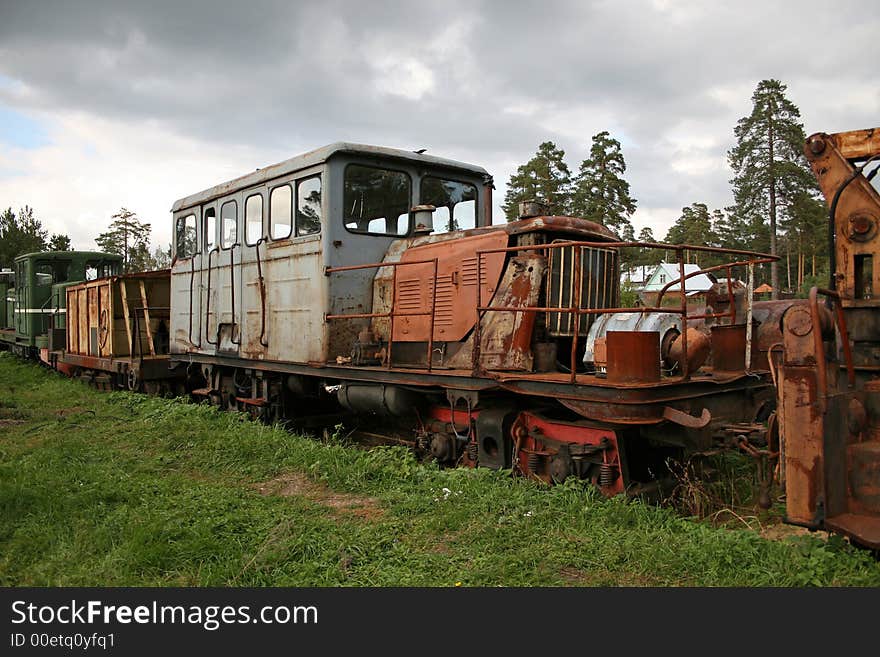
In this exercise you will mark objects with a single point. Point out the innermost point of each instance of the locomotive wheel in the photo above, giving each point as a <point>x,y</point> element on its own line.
<point>133,379</point>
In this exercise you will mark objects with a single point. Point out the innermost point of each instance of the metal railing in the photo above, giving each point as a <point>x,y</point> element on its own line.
<point>747,259</point>
<point>577,311</point>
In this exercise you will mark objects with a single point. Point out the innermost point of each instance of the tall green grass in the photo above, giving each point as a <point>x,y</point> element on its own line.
<point>123,489</point>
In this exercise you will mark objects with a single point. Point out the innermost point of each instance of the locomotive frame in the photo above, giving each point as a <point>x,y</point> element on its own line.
<point>448,337</point>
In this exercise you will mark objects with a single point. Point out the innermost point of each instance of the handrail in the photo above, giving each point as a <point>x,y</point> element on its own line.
<point>232,299</point>
<point>728,266</point>
<point>750,259</point>
<point>208,307</point>
<point>262,285</point>
<point>756,258</point>
<point>391,314</point>
<point>192,275</point>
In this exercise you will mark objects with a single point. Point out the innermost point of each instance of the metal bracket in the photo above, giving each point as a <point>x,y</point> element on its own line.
<point>685,420</point>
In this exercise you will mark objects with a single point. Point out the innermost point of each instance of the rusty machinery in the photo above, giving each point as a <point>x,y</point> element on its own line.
<point>829,373</point>
<point>498,345</point>
<point>504,346</point>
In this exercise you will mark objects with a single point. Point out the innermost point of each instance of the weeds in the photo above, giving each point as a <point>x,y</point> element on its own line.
<point>721,489</point>
<point>122,489</point>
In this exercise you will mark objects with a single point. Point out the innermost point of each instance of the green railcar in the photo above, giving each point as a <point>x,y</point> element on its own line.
<point>39,299</point>
<point>7,298</point>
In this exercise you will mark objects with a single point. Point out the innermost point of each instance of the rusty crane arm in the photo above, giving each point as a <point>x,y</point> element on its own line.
<point>830,423</point>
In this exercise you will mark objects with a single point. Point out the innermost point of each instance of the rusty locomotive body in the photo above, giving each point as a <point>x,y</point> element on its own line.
<point>373,280</point>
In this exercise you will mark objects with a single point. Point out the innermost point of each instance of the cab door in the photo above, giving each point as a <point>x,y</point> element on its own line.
<point>251,292</point>
<point>186,274</point>
<point>22,289</point>
<point>224,321</point>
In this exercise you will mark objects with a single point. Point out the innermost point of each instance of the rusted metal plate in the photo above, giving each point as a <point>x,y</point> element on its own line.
<point>729,348</point>
<point>856,212</point>
<point>633,356</point>
<point>864,476</point>
<point>505,337</point>
<point>800,420</point>
<point>864,529</point>
<point>858,144</point>
<point>457,287</point>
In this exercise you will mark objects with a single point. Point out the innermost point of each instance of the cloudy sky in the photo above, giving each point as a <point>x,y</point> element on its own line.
<point>136,104</point>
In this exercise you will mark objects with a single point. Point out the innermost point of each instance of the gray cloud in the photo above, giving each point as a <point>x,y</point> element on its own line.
<point>480,81</point>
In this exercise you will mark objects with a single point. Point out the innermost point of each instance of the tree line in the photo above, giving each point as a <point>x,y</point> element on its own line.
<point>24,233</point>
<point>777,206</point>
<point>126,236</point>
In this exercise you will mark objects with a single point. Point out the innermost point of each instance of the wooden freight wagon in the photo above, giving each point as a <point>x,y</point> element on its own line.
<point>117,330</point>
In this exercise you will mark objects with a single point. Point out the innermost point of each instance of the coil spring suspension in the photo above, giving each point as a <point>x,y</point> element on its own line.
<point>607,474</point>
<point>473,451</point>
<point>534,462</point>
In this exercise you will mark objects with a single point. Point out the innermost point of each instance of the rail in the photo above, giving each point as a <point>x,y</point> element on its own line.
<point>208,307</point>
<point>262,283</point>
<point>232,339</point>
<point>192,274</point>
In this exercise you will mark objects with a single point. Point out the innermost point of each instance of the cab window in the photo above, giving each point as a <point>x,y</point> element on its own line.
<point>280,212</point>
<point>308,206</point>
<point>376,201</point>
<point>186,236</point>
<point>45,274</point>
<point>228,224</point>
<point>253,219</point>
<point>456,203</point>
<point>210,228</point>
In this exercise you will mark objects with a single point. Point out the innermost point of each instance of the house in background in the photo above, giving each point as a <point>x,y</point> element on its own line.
<point>763,291</point>
<point>695,287</point>
<point>636,275</point>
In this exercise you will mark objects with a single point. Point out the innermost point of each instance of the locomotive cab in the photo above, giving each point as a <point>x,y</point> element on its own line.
<point>248,277</point>
<point>38,298</point>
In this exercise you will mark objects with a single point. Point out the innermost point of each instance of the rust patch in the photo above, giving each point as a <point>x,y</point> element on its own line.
<point>296,484</point>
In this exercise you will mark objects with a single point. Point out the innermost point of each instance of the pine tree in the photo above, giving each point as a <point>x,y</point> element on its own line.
<point>770,171</point>
<point>600,192</point>
<point>730,232</point>
<point>806,238</point>
<point>694,227</point>
<point>129,238</point>
<point>161,258</point>
<point>20,234</point>
<point>648,256</point>
<point>628,254</point>
<point>59,242</point>
<point>545,178</point>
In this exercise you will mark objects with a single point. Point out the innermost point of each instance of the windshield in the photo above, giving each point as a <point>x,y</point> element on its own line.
<point>456,203</point>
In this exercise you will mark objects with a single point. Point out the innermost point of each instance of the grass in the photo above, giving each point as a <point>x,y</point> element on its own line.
<point>113,489</point>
